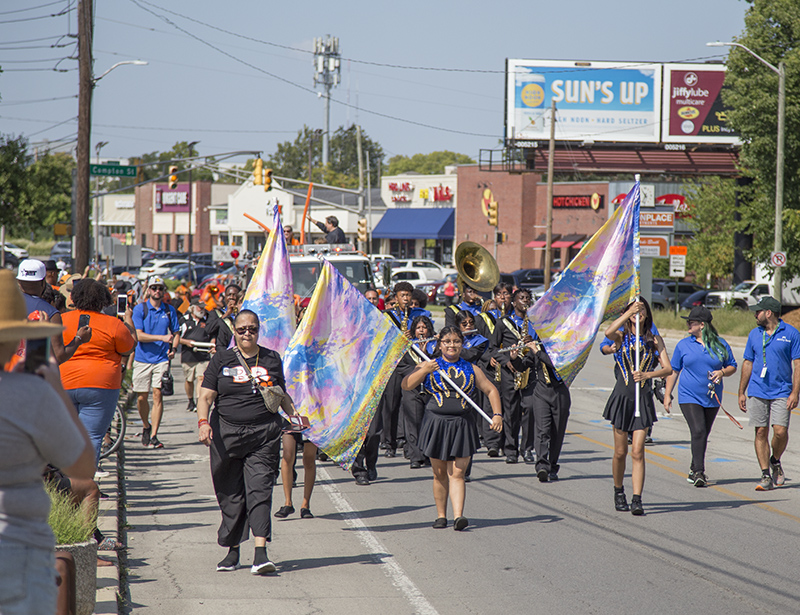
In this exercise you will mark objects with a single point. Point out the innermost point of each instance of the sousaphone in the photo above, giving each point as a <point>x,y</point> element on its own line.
<point>476,267</point>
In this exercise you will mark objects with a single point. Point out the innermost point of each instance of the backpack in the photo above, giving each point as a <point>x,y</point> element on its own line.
<point>170,310</point>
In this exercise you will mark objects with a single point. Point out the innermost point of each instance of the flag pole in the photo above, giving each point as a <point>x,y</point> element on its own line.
<point>449,381</point>
<point>636,385</point>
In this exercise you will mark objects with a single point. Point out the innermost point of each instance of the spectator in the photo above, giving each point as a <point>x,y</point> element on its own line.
<point>156,324</point>
<point>38,425</point>
<point>221,327</point>
<point>331,227</point>
<point>288,235</point>
<point>449,293</point>
<point>51,273</point>
<point>372,296</point>
<point>93,375</point>
<point>194,328</point>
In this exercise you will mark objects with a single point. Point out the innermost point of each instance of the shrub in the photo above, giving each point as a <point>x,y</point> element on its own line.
<point>69,523</point>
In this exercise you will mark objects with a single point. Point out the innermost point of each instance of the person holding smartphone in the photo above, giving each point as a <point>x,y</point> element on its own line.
<point>93,375</point>
<point>38,425</point>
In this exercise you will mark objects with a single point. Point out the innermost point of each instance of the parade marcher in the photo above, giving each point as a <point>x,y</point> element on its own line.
<point>701,360</point>
<point>770,385</point>
<point>333,234</point>
<point>291,441</point>
<point>194,359</point>
<point>448,434</point>
<point>157,330</point>
<point>471,301</point>
<point>243,434</point>
<point>620,407</point>
<point>402,315</point>
<point>514,329</point>
<point>220,322</point>
<point>414,400</point>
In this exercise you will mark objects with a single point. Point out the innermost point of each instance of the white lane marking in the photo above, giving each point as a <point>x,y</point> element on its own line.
<point>598,389</point>
<point>390,566</point>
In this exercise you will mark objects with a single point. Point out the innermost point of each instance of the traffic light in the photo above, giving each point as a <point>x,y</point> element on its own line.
<point>173,177</point>
<point>267,180</point>
<point>258,172</point>
<point>362,229</point>
<point>492,213</point>
<point>502,237</point>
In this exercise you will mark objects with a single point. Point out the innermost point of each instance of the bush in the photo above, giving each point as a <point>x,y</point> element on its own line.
<point>35,248</point>
<point>728,321</point>
<point>69,523</point>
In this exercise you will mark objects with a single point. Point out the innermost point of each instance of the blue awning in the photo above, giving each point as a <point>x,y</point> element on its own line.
<point>416,223</point>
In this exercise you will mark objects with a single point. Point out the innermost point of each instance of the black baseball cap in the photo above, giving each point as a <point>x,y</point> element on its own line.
<point>699,313</point>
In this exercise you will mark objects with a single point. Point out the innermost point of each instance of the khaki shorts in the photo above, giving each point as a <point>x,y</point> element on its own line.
<point>766,412</point>
<point>148,375</point>
<point>193,372</point>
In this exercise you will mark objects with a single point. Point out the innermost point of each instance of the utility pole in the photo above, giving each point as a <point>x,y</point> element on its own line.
<point>191,205</point>
<point>97,204</point>
<point>327,65</point>
<point>548,250</point>
<point>85,79</point>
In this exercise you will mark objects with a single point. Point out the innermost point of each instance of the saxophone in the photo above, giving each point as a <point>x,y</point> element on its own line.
<point>521,378</point>
<point>404,321</point>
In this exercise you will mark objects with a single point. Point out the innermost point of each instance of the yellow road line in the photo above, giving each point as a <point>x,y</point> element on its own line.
<point>651,453</point>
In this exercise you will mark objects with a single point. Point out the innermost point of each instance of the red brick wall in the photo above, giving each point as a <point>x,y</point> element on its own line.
<point>144,219</point>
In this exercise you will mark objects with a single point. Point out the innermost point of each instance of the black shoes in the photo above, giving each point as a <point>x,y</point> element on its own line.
<point>261,563</point>
<point>284,512</point>
<point>698,478</point>
<point>621,502</point>
<point>493,452</point>
<point>154,442</point>
<point>191,407</point>
<point>553,476</point>
<point>146,436</point>
<point>372,474</point>
<point>305,513</point>
<point>543,475</point>
<point>529,457</point>
<point>416,465</point>
<point>636,506</point>
<point>440,523</point>
<point>460,523</point>
<point>362,481</point>
<point>390,453</point>
<point>231,561</point>
<point>511,459</point>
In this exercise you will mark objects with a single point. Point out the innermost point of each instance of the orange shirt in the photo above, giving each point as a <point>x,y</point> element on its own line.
<point>97,363</point>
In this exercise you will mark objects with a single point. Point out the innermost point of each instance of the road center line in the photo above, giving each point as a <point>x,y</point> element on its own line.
<point>389,564</point>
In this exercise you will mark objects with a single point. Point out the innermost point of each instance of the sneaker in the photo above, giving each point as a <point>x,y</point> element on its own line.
<point>778,476</point>
<point>648,441</point>
<point>154,442</point>
<point>690,478</point>
<point>493,452</point>
<point>440,523</point>
<point>460,524</point>
<point>230,563</point>
<point>146,436</point>
<point>765,484</point>
<point>284,512</point>
<point>553,476</point>
<point>700,479</point>
<point>636,506</point>
<point>264,567</point>
<point>621,502</point>
<point>191,407</point>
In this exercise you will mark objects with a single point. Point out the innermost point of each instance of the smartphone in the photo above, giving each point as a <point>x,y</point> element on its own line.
<point>297,424</point>
<point>122,305</point>
<point>83,321</point>
<point>37,353</point>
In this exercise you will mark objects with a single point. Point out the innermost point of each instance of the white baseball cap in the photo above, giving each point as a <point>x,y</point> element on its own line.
<point>155,281</point>
<point>31,270</point>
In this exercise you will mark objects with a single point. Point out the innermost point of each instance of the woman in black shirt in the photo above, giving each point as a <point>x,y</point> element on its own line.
<point>244,438</point>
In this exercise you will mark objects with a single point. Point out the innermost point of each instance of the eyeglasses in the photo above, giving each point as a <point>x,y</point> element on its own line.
<point>251,329</point>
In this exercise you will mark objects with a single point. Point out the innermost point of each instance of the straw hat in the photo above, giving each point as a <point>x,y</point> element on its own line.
<point>14,324</point>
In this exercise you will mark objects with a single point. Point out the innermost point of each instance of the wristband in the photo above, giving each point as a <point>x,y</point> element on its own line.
<point>497,414</point>
<point>79,338</point>
<point>202,421</point>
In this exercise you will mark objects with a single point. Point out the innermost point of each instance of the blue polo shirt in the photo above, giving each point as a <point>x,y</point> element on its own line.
<point>693,360</point>
<point>781,348</point>
<point>158,321</point>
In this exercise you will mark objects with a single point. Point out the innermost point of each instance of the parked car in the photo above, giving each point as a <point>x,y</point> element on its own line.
<point>181,272</point>
<point>433,270</point>
<point>524,278</point>
<point>11,261</point>
<point>663,293</point>
<point>695,299</point>
<point>20,253</point>
<point>203,258</point>
<point>435,289</point>
<point>61,249</point>
<point>160,267</point>
<point>408,274</point>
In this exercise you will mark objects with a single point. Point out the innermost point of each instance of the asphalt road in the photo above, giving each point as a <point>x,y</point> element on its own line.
<point>531,547</point>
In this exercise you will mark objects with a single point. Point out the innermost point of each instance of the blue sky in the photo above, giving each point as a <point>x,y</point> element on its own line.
<point>191,91</point>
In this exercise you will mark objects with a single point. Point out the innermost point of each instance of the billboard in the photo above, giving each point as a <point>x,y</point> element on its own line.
<point>692,105</point>
<point>595,101</point>
<point>172,201</point>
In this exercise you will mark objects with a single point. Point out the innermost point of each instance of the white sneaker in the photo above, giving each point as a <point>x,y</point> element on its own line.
<point>263,568</point>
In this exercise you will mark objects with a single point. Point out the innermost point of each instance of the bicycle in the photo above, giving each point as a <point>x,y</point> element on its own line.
<point>116,432</point>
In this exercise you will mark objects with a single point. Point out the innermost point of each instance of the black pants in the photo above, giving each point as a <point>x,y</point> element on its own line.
<point>413,409</point>
<point>244,464</point>
<point>367,458</point>
<point>389,409</point>
<point>491,439</point>
<point>700,421</point>
<point>550,405</point>
<point>512,413</point>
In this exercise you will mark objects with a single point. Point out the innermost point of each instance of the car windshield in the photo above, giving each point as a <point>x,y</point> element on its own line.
<point>744,286</point>
<point>305,275</point>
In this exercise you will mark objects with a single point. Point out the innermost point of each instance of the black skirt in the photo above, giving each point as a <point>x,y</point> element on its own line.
<point>446,433</point>
<point>621,405</point>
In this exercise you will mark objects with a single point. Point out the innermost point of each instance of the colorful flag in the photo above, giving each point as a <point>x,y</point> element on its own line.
<point>600,281</point>
<point>338,363</point>
<point>269,293</point>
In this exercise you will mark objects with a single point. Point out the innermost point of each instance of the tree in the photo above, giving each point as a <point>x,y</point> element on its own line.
<point>772,30</point>
<point>14,161</point>
<point>50,191</point>
<point>158,163</point>
<point>426,164</point>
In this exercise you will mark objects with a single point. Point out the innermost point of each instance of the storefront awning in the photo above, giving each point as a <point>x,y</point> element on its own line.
<point>416,223</point>
<point>541,241</point>
<point>568,241</point>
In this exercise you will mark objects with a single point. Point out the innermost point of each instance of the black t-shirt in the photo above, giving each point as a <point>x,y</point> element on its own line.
<point>221,328</point>
<point>236,401</point>
<point>198,332</point>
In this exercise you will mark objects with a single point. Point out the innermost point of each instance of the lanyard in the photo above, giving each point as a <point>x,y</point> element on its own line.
<point>766,342</point>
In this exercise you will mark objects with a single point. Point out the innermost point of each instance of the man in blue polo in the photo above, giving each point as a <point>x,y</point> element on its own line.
<point>157,327</point>
<point>771,367</point>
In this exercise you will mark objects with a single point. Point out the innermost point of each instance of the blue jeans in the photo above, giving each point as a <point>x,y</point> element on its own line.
<point>27,579</point>
<point>96,410</point>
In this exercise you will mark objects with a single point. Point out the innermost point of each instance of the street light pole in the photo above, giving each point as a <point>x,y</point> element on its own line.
<point>191,206</point>
<point>100,145</point>
<point>777,279</point>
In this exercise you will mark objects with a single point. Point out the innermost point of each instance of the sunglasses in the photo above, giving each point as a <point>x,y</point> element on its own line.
<point>158,288</point>
<point>251,329</point>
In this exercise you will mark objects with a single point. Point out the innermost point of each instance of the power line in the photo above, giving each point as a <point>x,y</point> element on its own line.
<point>34,40</point>
<point>59,14</point>
<point>31,70</point>
<point>32,8</point>
<point>297,85</point>
<point>30,102</point>
<point>247,131</point>
<point>70,119</point>
<point>34,61</point>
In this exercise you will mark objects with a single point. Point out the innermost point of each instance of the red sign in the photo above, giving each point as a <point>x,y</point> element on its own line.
<point>404,187</point>
<point>659,219</point>
<point>441,193</point>
<point>694,106</point>
<point>168,201</point>
<point>587,201</point>
<point>679,250</point>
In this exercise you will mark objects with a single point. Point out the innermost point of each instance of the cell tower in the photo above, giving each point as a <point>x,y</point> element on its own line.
<point>327,68</point>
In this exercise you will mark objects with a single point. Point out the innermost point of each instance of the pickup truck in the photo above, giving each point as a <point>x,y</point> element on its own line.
<point>741,296</point>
